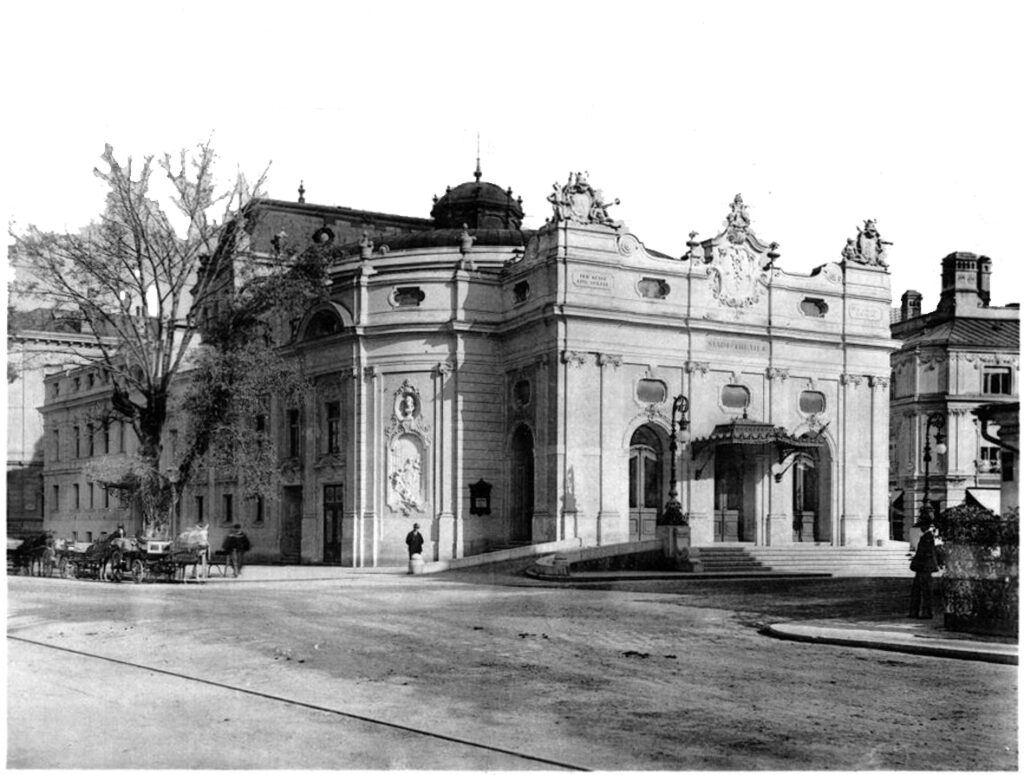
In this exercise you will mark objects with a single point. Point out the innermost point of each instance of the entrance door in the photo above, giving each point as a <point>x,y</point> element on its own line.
<point>521,528</point>
<point>332,524</point>
<point>646,465</point>
<point>291,524</point>
<point>729,511</point>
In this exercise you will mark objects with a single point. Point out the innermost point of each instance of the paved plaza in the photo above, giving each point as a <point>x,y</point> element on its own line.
<point>340,669</point>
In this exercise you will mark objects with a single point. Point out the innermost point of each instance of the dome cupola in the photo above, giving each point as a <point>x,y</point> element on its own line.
<point>478,205</point>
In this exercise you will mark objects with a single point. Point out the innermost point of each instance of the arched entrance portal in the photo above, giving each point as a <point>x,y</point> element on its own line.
<point>812,492</point>
<point>646,480</point>
<point>521,513</point>
<point>734,467</point>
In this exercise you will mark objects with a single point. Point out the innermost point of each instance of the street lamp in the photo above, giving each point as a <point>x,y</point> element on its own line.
<point>936,420</point>
<point>673,512</point>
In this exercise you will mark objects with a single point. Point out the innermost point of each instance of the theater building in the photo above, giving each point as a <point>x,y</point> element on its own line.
<point>502,387</point>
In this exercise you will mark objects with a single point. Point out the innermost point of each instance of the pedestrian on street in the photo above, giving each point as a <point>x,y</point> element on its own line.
<point>924,564</point>
<point>414,540</point>
<point>236,544</point>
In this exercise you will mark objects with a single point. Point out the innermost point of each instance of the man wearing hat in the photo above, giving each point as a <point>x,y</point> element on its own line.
<point>414,540</point>
<point>924,564</point>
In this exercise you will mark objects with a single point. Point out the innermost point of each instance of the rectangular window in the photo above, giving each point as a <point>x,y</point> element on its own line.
<point>55,506</point>
<point>333,427</point>
<point>78,384</point>
<point>106,498</point>
<point>106,438</point>
<point>92,496</point>
<point>88,536</point>
<point>257,516</point>
<point>120,436</point>
<point>91,379</point>
<point>56,444</point>
<point>228,507</point>
<point>997,380</point>
<point>200,516</point>
<point>294,433</point>
<point>988,460</point>
<point>90,434</point>
<point>76,499</point>
<point>76,434</point>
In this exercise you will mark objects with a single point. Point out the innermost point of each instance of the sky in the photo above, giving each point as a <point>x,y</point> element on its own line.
<point>821,115</point>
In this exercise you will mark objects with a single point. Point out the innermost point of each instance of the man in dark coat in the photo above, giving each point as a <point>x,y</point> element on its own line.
<point>924,564</point>
<point>414,540</point>
<point>236,544</point>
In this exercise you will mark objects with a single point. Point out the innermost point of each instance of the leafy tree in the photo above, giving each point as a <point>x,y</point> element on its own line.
<point>144,282</point>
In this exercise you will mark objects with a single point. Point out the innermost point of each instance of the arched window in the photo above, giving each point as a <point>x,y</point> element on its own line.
<point>324,323</point>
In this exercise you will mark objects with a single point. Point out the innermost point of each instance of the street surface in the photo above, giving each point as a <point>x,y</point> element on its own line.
<point>482,671</point>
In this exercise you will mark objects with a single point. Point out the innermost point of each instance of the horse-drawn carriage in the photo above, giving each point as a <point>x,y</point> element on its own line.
<point>35,555</point>
<point>146,558</point>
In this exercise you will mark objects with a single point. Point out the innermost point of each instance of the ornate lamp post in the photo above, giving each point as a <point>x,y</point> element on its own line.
<point>673,512</point>
<point>936,420</point>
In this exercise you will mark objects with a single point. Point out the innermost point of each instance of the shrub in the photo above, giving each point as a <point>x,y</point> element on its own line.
<point>980,552</point>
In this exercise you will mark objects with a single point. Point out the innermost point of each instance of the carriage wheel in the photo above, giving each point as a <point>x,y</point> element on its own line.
<point>138,571</point>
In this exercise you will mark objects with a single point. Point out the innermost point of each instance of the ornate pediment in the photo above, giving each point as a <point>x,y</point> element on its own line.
<point>738,263</point>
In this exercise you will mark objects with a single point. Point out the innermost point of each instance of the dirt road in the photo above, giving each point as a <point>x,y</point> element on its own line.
<point>640,677</point>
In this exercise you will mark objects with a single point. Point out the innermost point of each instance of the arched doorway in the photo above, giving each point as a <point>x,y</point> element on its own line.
<point>521,501</point>
<point>646,482</point>
<point>733,519</point>
<point>812,477</point>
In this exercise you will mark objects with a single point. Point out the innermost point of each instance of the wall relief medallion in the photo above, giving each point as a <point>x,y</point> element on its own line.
<point>737,276</point>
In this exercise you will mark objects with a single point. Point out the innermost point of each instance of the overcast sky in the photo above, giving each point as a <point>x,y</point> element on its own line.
<point>821,114</point>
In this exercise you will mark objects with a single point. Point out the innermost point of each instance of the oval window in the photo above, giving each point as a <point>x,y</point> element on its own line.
<point>812,402</point>
<point>735,397</point>
<point>651,391</point>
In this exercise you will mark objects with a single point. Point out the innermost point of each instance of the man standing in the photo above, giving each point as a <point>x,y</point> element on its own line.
<point>414,540</point>
<point>236,544</point>
<point>924,564</point>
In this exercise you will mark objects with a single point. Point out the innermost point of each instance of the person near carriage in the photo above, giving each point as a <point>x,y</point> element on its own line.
<point>236,544</point>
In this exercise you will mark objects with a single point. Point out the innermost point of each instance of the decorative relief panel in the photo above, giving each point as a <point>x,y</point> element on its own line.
<point>737,278</point>
<point>408,438</point>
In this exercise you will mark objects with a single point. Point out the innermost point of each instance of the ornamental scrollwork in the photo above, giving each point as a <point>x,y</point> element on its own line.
<point>577,359</point>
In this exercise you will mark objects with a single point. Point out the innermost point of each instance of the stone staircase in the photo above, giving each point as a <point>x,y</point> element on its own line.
<point>879,561</point>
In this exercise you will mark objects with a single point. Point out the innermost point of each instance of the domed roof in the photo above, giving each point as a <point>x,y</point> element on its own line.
<point>478,205</point>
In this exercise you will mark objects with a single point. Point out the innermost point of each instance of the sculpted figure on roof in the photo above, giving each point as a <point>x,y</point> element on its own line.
<point>869,247</point>
<point>579,202</point>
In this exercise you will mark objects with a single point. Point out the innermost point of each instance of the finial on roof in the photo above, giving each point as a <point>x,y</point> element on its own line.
<point>477,174</point>
<point>302,192</point>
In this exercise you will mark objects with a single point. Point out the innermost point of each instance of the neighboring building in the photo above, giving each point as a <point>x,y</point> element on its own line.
<point>950,362</point>
<point>1000,425</point>
<point>501,386</point>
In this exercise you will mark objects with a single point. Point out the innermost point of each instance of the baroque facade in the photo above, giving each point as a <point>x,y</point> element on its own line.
<point>503,386</point>
<point>951,363</point>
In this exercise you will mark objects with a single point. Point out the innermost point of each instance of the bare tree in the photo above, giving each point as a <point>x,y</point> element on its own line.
<point>137,281</point>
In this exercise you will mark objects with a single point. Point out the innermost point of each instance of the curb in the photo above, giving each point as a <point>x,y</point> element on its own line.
<point>971,650</point>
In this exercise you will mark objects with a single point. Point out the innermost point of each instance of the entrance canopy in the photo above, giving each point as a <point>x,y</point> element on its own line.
<point>753,433</point>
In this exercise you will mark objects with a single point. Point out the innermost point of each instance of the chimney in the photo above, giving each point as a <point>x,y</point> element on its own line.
<point>910,305</point>
<point>985,279</point>
<point>961,278</point>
